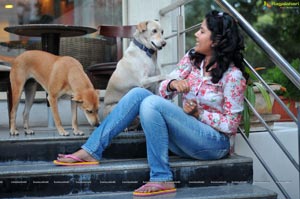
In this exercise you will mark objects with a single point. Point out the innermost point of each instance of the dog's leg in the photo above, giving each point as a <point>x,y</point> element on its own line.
<point>30,90</point>
<point>16,88</point>
<point>148,81</point>
<point>53,105</point>
<point>75,128</point>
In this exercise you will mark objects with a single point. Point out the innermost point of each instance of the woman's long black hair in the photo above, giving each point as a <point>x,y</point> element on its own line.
<point>227,45</point>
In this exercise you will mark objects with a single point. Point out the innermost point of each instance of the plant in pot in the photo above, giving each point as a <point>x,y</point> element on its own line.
<point>254,86</point>
<point>289,93</point>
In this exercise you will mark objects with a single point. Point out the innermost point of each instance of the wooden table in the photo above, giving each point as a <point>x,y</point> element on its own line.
<point>50,35</point>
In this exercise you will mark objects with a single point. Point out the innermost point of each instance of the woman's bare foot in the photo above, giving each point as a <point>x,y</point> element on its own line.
<point>81,154</point>
<point>151,187</point>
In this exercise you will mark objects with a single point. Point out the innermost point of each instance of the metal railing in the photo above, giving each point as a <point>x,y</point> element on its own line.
<point>273,55</point>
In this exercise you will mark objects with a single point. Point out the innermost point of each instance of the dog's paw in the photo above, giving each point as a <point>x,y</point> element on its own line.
<point>29,132</point>
<point>14,132</point>
<point>78,132</point>
<point>64,133</point>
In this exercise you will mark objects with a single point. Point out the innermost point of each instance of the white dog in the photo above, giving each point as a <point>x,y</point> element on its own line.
<point>138,66</point>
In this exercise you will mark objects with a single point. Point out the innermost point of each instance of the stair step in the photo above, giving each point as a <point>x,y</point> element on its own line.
<point>47,143</point>
<point>36,178</point>
<point>232,191</point>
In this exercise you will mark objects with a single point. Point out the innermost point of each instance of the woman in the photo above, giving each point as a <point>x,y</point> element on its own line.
<point>210,78</point>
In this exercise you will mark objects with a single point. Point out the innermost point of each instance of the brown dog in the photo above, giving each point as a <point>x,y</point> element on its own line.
<point>58,75</point>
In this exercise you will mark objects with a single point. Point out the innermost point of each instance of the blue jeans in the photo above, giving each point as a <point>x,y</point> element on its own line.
<point>166,126</point>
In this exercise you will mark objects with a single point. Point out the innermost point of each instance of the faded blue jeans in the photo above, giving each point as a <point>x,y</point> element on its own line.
<point>166,126</point>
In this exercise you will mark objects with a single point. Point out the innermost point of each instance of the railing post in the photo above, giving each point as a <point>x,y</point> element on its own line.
<point>180,37</point>
<point>180,43</point>
<point>298,124</point>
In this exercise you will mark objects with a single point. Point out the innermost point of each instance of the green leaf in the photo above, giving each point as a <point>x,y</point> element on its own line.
<point>265,95</point>
<point>250,95</point>
<point>251,75</point>
<point>246,118</point>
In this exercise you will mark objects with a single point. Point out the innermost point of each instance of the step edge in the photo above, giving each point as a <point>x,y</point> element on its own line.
<point>30,138</point>
<point>140,163</point>
<point>263,193</point>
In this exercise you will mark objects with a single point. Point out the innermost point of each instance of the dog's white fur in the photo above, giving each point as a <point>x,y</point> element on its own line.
<point>58,75</point>
<point>136,68</point>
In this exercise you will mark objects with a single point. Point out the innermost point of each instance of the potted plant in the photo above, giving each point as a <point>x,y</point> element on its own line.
<point>254,90</point>
<point>289,93</point>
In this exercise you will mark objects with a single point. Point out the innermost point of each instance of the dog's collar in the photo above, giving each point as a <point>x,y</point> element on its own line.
<point>148,51</point>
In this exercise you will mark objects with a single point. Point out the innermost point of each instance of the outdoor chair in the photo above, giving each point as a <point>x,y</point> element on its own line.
<point>86,50</point>
<point>100,73</point>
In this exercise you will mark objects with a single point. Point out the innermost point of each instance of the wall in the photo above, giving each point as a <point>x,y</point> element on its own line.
<point>135,11</point>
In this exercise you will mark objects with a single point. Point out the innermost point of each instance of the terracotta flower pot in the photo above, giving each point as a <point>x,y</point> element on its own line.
<point>277,109</point>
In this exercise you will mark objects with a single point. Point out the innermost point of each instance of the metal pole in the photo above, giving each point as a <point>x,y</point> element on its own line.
<point>180,44</point>
<point>298,123</point>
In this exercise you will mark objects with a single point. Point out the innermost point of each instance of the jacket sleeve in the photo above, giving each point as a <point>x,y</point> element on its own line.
<point>182,70</point>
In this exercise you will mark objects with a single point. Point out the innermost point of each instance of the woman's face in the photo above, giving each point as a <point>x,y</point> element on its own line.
<point>203,41</point>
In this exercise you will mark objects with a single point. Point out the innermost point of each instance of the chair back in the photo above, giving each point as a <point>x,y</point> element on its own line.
<point>87,51</point>
<point>117,32</point>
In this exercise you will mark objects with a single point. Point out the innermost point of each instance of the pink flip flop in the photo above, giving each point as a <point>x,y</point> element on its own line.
<point>79,162</point>
<point>161,190</point>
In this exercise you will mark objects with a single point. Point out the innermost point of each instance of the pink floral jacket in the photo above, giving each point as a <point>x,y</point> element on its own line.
<point>222,102</point>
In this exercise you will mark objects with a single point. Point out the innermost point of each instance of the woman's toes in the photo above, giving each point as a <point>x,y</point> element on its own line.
<point>60,155</point>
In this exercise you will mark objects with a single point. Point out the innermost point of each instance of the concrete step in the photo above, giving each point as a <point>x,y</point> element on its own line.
<point>46,143</point>
<point>232,191</point>
<point>40,178</point>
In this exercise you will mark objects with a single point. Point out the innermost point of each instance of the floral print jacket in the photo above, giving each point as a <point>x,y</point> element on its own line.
<point>222,103</point>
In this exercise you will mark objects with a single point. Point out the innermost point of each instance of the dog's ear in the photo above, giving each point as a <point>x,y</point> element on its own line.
<point>142,27</point>
<point>77,98</point>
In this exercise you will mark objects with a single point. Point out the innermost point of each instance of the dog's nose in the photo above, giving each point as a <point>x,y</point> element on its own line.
<point>163,43</point>
<point>96,125</point>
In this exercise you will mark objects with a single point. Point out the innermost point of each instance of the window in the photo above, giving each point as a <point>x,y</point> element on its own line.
<point>73,12</point>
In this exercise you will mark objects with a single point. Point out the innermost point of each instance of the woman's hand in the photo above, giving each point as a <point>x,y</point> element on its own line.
<point>190,107</point>
<point>181,86</point>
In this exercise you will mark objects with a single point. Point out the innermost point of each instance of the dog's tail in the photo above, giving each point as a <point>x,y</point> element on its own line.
<point>6,59</point>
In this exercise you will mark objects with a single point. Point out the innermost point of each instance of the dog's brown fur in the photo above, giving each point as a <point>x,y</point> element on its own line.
<point>58,75</point>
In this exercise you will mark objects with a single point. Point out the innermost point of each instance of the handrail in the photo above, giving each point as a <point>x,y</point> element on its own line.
<point>184,31</point>
<point>284,66</point>
<point>275,138</point>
